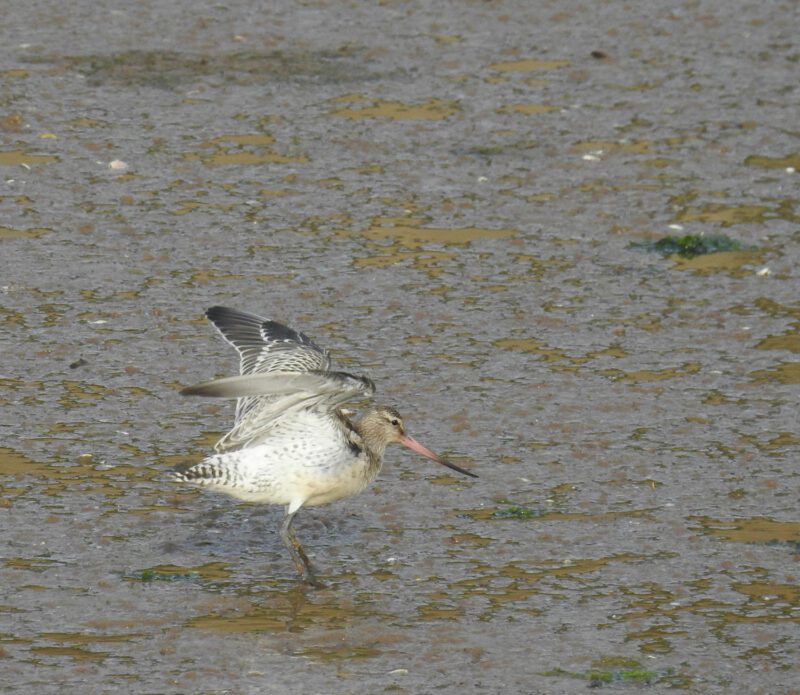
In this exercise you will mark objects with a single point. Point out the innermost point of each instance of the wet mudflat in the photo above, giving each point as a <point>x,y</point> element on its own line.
<point>457,199</point>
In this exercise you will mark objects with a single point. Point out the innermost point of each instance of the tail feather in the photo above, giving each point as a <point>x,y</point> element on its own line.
<point>207,472</point>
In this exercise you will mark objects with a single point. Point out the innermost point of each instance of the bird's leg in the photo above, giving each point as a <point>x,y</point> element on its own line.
<point>299,557</point>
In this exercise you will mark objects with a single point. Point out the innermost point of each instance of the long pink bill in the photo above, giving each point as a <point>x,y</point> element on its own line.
<point>414,445</point>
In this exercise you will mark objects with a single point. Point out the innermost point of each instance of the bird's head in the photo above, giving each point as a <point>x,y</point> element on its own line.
<point>384,425</point>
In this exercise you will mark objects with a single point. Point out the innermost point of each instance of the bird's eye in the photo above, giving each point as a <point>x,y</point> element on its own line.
<point>394,421</point>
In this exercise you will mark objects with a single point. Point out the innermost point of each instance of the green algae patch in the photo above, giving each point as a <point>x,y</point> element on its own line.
<point>635,675</point>
<point>247,149</point>
<point>31,564</point>
<point>76,653</point>
<point>439,611</point>
<point>535,347</point>
<point>53,480</point>
<point>392,240</point>
<point>273,606</point>
<point>529,65</point>
<point>151,575</point>
<point>175,573</point>
<point>706,253</point>
<point>431,110</point>
<point>786,595</point>
<point>411,233</point>
<point>24,159</point>
<point>691,245</point>
<point>598,677</point>
<point>735,263</point>
<point>783,373</point>
<point>789,341</point>
<point>789,161</point>
<point>527,109</point>
<point>167,69</point>
<point>521,513</point>
<point>615,669</point>
<point>14,233</point>
<point>645,375</point>
<point>750,530</point>
<point>339,653</point>
<point>79,394</point>
<point>81,638</point>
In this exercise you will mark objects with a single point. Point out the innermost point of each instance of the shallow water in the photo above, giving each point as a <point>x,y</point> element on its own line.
<point>446,197</point>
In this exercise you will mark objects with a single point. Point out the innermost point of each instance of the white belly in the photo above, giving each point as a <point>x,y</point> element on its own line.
<point>296,466</point>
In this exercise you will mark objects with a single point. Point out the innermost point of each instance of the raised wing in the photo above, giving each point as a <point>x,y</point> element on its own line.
<point>276,395</point>
<point>265,346</point>
<point>338,386</point>
<point>282,370</point>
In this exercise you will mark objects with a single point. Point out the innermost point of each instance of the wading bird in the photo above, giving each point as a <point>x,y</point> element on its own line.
<point>291,442</point>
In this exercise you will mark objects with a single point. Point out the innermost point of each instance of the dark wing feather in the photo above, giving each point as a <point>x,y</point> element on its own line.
<point>265,346</point>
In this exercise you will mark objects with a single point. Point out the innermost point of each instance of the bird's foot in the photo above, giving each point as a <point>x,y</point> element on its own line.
<point>311,579</point>
<point>299,557</point>
<point>306,572</point>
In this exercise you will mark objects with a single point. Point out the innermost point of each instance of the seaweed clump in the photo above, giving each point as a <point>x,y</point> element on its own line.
<point>516,513</point>
<point>691,245</point>
<point>620,670</point>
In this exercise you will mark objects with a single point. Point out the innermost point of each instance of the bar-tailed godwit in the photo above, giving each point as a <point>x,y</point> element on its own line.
<point>291,442</point>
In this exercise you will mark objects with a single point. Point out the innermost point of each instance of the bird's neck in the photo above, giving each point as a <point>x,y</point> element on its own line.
<point>375,445</point>
<point>372,436</point>
<point>362,438</point>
